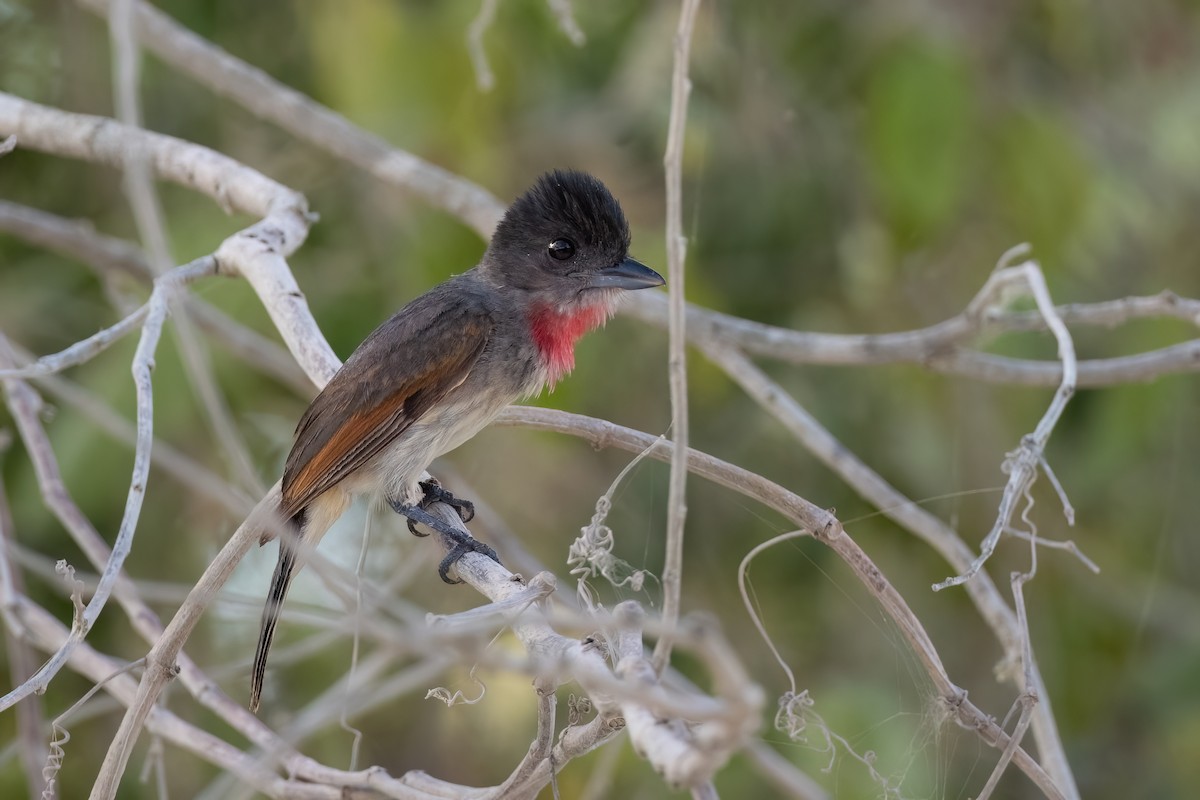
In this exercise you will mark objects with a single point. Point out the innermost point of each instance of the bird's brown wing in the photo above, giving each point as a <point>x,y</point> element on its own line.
<point>406,366</point>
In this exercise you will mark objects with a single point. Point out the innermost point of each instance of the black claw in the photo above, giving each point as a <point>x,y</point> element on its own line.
<point>450,560</point>
<point>434,493</point>
<point>464,546</point>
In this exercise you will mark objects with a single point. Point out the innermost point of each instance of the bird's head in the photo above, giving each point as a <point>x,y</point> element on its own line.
<point>565,243</point>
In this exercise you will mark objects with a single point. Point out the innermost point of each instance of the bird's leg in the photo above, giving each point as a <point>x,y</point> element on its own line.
<point>463,542</point>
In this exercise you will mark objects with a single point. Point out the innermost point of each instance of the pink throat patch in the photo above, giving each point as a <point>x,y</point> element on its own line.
<point>555,333</point>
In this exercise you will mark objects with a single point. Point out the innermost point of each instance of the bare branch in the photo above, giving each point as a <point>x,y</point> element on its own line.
<point>895,506</point>
<point>939,348</point>
<point>152,230</point>
<point>101,140</point>
<point>105,254</point>
<point>81,351</point>
<point>1022,464</point>
<point>307,120</point>
<point>566,21</point>
<point>484,78</point>
<point>672,577</point>
<point>50,635</point>
<point>24,407</point>
<point>21,664</point>
<point>826,529</point>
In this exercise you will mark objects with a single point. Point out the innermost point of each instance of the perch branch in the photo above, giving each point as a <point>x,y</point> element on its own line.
<point>826,529</point>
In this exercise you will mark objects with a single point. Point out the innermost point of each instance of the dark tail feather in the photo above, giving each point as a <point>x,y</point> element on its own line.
<point>285,570</point>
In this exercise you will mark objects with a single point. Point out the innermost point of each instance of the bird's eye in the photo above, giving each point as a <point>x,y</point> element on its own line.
<point>562,249</point>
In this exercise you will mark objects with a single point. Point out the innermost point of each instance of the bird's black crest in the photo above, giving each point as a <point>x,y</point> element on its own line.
<point>567,199</point>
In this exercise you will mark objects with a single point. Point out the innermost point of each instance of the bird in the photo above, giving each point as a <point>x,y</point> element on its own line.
<point>442,368</point>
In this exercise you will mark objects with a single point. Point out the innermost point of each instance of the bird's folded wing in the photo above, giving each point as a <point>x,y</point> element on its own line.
<point>406,366</point>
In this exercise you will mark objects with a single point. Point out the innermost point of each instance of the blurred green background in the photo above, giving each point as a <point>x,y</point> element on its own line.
<point>849,168</point>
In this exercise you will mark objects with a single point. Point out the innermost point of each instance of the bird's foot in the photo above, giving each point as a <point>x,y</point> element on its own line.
<point>463,542</point>
<point>434,493</point>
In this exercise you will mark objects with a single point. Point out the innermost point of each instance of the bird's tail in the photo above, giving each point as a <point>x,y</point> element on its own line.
<point>285,570</point>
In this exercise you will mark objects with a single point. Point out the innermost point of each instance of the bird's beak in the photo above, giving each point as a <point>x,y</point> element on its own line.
<point>628,274</point>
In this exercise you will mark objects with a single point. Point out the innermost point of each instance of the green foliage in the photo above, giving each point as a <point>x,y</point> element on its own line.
<point>919,126</point>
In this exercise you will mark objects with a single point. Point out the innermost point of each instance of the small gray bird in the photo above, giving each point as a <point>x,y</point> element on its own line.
<point>446,364</point>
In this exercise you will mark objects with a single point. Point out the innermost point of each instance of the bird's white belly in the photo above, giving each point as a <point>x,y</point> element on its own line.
<point>395,471</point>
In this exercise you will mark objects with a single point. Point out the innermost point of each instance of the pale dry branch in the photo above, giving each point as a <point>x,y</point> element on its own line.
<point>730,719</point>
<point>24,406</point>
<point>1028,699</point>
<point>894,505</point>
<point>672,577</point>
<point>939,348</point>
<point>825,528</point>
<point>539,750</point>
<point>484,78</point>
<point>107,255</point>
<point>780,772</point>
<point>561,9</point>
<point>80,352</point>
<point>256,253</point>
<point>49,635</point>
<point>306,119</point>
<point>30,720</point>
<point>101,140</point>
<point>1022,464</point>
<point>685,757</point>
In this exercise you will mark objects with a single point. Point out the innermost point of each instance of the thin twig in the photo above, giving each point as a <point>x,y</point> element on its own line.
<point>1028,698</point>
<point>21,664</point>
<point>306,119</point>
<point>80,352</point>
<point>1022,464</point>
<point>484,78</point>
<point>826,529</point>
<point>108,255</point>
<point>152,230</point>
<point>124,539</point>
<point>672,577</point>
<point>749,604</point>
<point>48,634</point>
<point>561,9</point>
<point>900,509</point>
<point>941,348</point>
